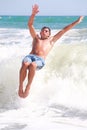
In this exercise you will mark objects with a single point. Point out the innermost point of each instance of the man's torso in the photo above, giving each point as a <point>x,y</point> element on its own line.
<point>41,47</point>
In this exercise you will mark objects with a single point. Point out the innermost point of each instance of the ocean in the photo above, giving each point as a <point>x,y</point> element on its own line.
<point>58,95</point>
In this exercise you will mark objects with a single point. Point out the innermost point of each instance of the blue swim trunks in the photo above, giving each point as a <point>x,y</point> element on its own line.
<point>34,58</point>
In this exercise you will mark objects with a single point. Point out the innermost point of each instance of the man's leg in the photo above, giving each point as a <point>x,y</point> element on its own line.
<point>23,72</point>
<point>31,73</point>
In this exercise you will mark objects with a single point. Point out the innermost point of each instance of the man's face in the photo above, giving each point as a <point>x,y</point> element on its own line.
<point>45,33</point>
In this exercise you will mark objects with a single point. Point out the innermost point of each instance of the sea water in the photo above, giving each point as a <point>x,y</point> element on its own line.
<point>58,95</point>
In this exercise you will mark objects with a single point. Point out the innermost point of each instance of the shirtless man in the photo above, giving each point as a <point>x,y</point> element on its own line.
<point>40,49</point>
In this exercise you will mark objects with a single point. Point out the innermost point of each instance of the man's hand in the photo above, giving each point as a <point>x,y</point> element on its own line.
<point>35,9</point>
<point>80,19</point>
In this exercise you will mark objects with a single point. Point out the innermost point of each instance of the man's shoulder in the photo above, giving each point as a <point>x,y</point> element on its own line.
<point>36,37</point>
<point>51,37</point>
<point>51,40</point>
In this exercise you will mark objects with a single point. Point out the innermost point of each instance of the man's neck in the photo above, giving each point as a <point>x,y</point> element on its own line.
<point>44,38</point>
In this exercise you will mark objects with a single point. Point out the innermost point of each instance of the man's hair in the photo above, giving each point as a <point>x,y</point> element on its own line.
<point>47,28</point>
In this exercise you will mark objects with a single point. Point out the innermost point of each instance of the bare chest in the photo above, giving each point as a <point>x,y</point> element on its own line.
<point>42,44</point>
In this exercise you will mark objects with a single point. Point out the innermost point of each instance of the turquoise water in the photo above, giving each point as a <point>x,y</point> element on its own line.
<point>54,22</point>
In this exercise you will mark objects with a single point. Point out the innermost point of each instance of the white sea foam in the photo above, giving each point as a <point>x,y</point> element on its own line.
<point>58,94</point>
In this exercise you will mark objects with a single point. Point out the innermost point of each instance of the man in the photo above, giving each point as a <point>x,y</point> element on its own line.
<point>40,49</point>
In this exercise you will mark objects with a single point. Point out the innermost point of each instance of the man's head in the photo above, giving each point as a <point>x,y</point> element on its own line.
<point>45,32</point>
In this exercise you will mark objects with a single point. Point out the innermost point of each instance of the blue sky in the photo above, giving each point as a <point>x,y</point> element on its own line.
<point>46,7</point>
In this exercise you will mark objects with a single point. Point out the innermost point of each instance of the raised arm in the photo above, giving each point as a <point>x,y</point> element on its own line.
<point>65,29</point>
<point>35,10</point>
